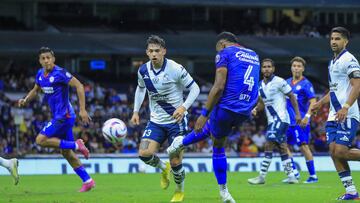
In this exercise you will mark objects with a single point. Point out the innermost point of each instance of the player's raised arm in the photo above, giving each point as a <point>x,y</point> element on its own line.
<point>214,96</point>
<point>325,100</point>
<point>74,82</point>
<point>30,96</point>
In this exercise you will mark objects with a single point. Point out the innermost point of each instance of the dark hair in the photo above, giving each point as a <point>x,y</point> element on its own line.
<point>343,31</point>
<point>268,60</point>
<point>228,36</point>
<point>45,50</point>
<point>155,39</point>
<point>298,59</point>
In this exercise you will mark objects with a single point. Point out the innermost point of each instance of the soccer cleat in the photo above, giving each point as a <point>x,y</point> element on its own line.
<point>82,148</point>
<point>178,196</point>
<point>176,146</point>
<point>311,180</point>
<point>293,180</point>
<point>257,180</point>
<point>14,164</point>
<point>286,180</point>
<point>165,177</point>
<point>87,186</point>
<point>347,196</point>
<point>226,197</point>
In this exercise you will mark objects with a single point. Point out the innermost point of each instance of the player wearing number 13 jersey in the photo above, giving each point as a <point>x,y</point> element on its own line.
<point>229,103</point>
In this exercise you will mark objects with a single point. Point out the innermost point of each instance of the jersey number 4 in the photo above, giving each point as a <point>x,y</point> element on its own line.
<point>247,79</point>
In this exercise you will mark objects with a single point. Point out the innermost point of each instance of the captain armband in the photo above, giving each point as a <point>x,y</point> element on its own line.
<point>354,74</point>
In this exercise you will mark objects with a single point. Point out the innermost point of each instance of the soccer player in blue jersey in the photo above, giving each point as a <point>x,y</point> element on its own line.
<point>300,134</point>
<point>343,119</point>
<point>229,103</point>
<point>54,82</point>
<point>12,166</point>
<point>273,91</point>
<point>164,80</point>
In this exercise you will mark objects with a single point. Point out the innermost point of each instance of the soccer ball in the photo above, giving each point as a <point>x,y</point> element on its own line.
<point>114,130</point>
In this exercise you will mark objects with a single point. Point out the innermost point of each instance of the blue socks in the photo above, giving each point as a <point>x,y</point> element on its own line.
<point>219,165</point>
<point>311,167</point>
<point>67,144</point>
<point>193,137</point>
<point>81,172</point>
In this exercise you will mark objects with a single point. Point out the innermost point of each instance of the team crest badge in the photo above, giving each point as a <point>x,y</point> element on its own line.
<point>68,74</point>
<point>298,87</point>
<point>51,79</point>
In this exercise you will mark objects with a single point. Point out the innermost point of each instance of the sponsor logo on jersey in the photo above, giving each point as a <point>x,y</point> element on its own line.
<point>48,90</point>
<point>345,139</point>
<point>217,58</point>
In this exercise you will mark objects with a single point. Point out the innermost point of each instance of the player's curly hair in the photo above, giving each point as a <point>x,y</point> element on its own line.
<point>155,39</point>
<point>45,50</point>
<point>343,31</point>
<point>228,36</point>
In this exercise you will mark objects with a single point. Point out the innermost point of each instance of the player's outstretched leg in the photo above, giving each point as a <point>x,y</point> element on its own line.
<point>165,167</point>
<point>220,168</point>
<point>263,170</point>
<point>88,182</point>
<point>12,166</point>
<point>180,142</point>
<point>179,178</point>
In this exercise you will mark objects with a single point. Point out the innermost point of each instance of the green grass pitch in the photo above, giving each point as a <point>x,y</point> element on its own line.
<point>144,188</point>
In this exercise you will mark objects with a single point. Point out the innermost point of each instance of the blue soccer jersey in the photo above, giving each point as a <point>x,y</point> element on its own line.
<point>303,91</point>
<point>241,88</point>
<point>55,87</point>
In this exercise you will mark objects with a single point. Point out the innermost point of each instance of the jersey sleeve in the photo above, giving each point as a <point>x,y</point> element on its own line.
<point>185,78</point>
<point>310,93</point>
<point>221,60</point>
<point>64,76</point>
<point>351,65</point>
<point>285,87</point>
<point>141,82</point>
<point>37,77</point>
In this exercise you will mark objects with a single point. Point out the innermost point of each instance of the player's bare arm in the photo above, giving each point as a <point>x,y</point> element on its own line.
<point>259,107</point>
<point>354,94</point>
<point>214,96</point>
<point>139,98</point>
<point>322,101</point>
<point>193,94</point>
<point>30,96</point>
<point>74,82</point>
<point>307,116</point>
<point>296,107</point>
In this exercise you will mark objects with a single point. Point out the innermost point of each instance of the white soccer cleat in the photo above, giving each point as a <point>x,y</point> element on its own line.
<point>14,163</point>
<point>226,197</point>
<point>257,180</point>
<point>286,180</point>
<point>292,180</point>
<point>176,146</point>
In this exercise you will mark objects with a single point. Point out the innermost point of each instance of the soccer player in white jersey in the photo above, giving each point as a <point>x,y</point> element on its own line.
<point>165,81</point>
<point>12,166</point>
<point>343,119</point>
<point>273,91</point>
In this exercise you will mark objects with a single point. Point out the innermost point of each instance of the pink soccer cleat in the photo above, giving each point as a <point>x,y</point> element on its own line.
<point>87,186</point>
<point>82,148</point>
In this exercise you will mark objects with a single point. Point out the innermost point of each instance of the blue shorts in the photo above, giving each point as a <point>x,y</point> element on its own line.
<point>276,132</point>
<point>341,133</point>
<point>222,121</point>
<point>161,132</point>
<point>298,135</point>
<point>60,128</point>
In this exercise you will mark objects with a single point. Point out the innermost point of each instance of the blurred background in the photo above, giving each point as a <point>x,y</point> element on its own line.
<point>102,42</point>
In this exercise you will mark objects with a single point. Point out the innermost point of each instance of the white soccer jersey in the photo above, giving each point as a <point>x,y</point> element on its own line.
<point>165,89</point>
<point>273,95</point>
<point>339,82</point>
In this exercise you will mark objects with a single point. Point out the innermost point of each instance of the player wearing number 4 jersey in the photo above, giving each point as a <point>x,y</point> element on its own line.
<point>229,103</point>
<point>164,80</point>
<point>343,120</point>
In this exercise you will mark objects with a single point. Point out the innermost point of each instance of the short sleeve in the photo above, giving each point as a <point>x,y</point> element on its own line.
<point>351,65</point>
<point>64,76</point>
<point>185,78</point>
<point>221,60</point>
<point>285,87</point>
<point>141,82</point>
<point>310,93</point>
<point>37,78</point>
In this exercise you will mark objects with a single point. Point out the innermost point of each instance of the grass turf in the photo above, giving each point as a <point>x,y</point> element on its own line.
<point>199,187</point>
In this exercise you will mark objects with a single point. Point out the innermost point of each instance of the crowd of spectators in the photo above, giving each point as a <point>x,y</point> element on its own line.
<point>104,103</point>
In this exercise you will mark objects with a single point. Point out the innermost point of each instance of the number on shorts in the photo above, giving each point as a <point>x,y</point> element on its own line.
<point>147,133</point>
